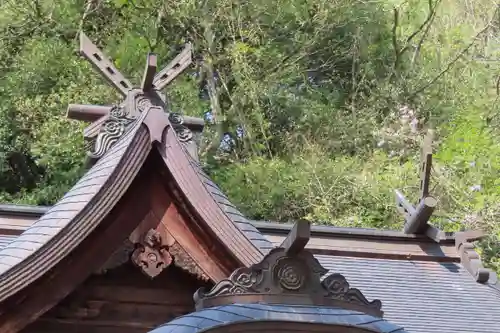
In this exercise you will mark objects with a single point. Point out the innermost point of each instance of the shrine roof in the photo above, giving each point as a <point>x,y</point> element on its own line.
<point>427,282</point>
<point>423,296</point>
<point>423,285</point>
<point>230,210</point>
<point>74,216</point>
<point>280,314</point>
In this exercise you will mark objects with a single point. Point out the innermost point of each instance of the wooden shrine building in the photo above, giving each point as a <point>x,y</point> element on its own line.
<point>145,241</point>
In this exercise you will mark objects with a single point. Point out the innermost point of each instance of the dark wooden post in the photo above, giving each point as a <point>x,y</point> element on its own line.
<point>417,218</point>
<point>149,73</point>
<point>298,238</point>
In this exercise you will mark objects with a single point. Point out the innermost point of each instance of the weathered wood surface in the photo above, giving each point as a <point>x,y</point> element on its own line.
<point>194,185</point>
<point>15,225</point>
<point>29,303</point>
<point>122,300</point>
<point>377,248</point>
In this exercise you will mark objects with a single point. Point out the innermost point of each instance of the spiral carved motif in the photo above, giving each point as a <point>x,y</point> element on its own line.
<point>143,104</point>
<point>336,285</point>
<point>246,280</point>
<point>288,278</point>
<point>117,112</point>
<point>112,130</point>
<point>289,274</point>
<point>184,134</point>
<point>175,118</point>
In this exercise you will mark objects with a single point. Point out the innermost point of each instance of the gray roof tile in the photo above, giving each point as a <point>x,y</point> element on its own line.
<point>423,296</point>
<point>6,239</point>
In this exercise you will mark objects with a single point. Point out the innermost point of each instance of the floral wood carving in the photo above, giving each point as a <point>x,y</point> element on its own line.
<point>151,255</point>
<point>184,261</point>
<point>285,278</point>
<point>337,287</point>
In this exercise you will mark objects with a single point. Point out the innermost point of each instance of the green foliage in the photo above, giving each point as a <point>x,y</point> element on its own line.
<point>332,99</point>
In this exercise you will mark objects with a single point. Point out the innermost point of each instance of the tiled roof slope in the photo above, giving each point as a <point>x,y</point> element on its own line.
<point>432,294</point>
<point>422,284</point>
<point>423,296</point>
<point>248,229</point>
<point>6,239</point>
<point>78,210</point>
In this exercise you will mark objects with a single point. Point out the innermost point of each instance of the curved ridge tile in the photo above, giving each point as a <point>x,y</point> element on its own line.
<point>76,215</point>
<point>190,181</point>
<point>247,228</point>
<point>223,315</point>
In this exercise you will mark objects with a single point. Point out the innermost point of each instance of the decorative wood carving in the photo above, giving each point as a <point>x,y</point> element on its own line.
<point>110,124</point>
<point>184,134</point>
<point>113,128</point>
<point>152,255</point>
<point>183,260</point>
<point>192,245</point>
<point>292,277</point>
<point>471,260</point>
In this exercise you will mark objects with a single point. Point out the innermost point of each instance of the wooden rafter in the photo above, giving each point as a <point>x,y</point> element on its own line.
<point>298,238</point>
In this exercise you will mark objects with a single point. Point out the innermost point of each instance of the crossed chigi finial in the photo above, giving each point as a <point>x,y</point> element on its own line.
<point>100,116</point>
<point>417,217</point>
<point>152,82</point>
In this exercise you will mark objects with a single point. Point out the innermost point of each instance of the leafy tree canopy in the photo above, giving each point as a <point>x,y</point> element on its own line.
<point>320,106</point>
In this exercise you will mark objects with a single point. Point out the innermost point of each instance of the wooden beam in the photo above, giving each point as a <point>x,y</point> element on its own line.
<point>417,223</point>
<point>403,205</point>
<point>468,236</point>
<point>103,65</point>
<point>196,251</point>
<point>149,73</point>
<point>298,238</point>
<point>417,218</point>
<point>174,68</point>
<point>435,234</point>
<point>87,112</point>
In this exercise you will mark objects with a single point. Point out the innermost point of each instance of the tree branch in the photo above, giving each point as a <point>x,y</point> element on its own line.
<point>395,38</point>
<point>457,57</point>
<point>428,20</point>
